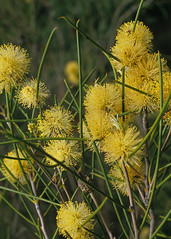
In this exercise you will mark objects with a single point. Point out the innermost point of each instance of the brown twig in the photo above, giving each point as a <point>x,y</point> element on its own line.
<point>36,203</point>
<point>136,231</point>
<point>166,140</point>
<point>141,193</point>
<point>63,184</point>
<point>86,189</point>
<point>4,115</point>
<point>101,216</point>
<point>148,187</point>
<point>145,128</point>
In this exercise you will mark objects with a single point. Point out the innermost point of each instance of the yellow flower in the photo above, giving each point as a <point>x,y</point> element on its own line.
<point>27,94</point>
<point>99,124</point>
<point>14,65</point>
<point>70,217</point>
<point>145,76</point>
<point>55,122</point>
<point>101,104</point>
<point>135,175</point>
<point>103,98</point>
<point>119,144</point>
<point>67,152</point>
<point>13,165</point>
<point>72,72</point>
<point>131,46</point>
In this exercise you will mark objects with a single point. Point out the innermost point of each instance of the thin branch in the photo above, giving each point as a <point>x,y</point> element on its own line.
<point>166,140</point>
<point>141,193</point>
<point>63,184</point>
<point>36,203</point>
<point>148,188</point>
<point>130,201</point>
<point>145,128</point>
<point>101,216</point>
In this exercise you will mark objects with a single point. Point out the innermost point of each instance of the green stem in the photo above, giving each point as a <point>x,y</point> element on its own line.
<point>29,195</point>
<point>69,90</point>
<point>137,15</point>
<point>80,91</point>
<point>95,212</point>
<point>42,60</point>
<point>15,210</point>
<point>90,39</point>
<point>165,180</point>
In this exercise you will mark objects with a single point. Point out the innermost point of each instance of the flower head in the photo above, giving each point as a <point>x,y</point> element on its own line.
<point>55,122</point>
<point>145,77</point>
<point>14,65</point>
<point>119,144</point>
<point>131,46</point>
<point>71,216</point>
<point>65,151</point>
<point>103,98</point>
<point>72,73</point>
<point>15,167</point>
<point>101,103</point>
<point>27,94</point>
<point>135,175</point>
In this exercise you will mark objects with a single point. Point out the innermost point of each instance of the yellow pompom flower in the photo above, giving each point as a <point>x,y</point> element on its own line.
<point>55,122</point>
<point>119,144</point>
<point>102,102</point>
<point>131,46</point>
<point>71,216</point>
<point>27,94</point>
<point>135,175</point>
<point>103,98</point>
<point>145,76</point>
<point>99,124</point>
<point>67,152</point>
<point>14,65</point>
<point>72,72</point>
<point>13,165</point>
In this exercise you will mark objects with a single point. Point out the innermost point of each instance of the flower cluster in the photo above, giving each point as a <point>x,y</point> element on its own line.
<point>134,50</point>
<point>71,216</point>
<point>14,66</point>
<point>27,94</point>
<point>55,122</point>
<point>120,144</point>
<point>15,167</point>
<point>130,45</point>
<point>65,151</point>
<point>101,103</point>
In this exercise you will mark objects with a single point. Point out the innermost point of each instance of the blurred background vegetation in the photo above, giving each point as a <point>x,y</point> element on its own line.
<point>28,23</point>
